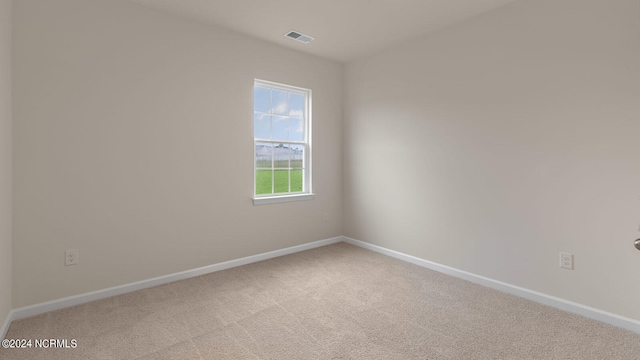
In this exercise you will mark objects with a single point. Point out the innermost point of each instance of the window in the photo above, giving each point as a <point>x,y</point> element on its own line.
<point>282,142</point>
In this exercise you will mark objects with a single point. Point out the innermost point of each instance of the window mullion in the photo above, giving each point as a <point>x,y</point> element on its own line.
<point>273,177</point>
<point>273,174</point>
<point>281,141</point>
<point>289,168</point>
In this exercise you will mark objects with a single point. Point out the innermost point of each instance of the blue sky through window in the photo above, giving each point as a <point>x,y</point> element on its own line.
<point>279,102</point>
<point>278,114</point>
<point>261,99</point>
<point>262,125</point>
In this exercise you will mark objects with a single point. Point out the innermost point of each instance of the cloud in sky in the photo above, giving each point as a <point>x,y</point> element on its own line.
<point>278,114</point>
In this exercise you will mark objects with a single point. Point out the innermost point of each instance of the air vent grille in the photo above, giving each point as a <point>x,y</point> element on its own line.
<point>305,39</point>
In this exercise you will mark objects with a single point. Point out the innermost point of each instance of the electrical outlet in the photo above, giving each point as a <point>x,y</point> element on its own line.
<point>325,217</point>
<point>566,261</point>
<point>71,257</point>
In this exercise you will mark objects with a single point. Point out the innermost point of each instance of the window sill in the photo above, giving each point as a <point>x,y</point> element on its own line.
<point>282,198</point>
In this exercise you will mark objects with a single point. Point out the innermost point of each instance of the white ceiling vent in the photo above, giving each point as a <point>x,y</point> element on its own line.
<point>305,39</point>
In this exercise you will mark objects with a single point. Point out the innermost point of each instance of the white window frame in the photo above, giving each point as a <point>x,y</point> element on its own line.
<point>306,193</point>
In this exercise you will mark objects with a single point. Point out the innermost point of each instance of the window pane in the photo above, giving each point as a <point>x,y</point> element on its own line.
<point>296,129</point>
<point>296,105</point>
<point>280,181</point>
<point>297,156</point>
<point>263,182</point>
<point>261,99</point>
<point>281,156</point>
<point>280,134</point>
<point>280,127</point>
<point>261,126</point>
<point>296,180</point>
<point>264,154</point>
<point>279,102</point>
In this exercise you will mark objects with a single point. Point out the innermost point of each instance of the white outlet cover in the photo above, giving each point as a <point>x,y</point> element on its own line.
<point>71,257</point>
<point>566,261</point>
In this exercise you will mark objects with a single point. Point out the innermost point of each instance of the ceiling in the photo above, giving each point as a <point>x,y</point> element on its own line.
<point>345,30</point>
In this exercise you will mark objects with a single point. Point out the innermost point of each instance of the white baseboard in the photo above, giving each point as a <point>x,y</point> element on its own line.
<point>31,310</point>
<point>5,325</point>
<point>592,313</point>
<point>565,305</point>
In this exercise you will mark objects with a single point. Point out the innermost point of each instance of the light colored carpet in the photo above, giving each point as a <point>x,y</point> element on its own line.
<point>334,302</point>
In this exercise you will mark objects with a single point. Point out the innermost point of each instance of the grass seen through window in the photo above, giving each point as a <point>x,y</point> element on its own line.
<point>280,180</point>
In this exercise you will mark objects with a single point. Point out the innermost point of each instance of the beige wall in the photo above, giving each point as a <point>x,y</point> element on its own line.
<point>5,159</point>
<point>494,145</point>
<point>133,143</point>
<point>488,147</point>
